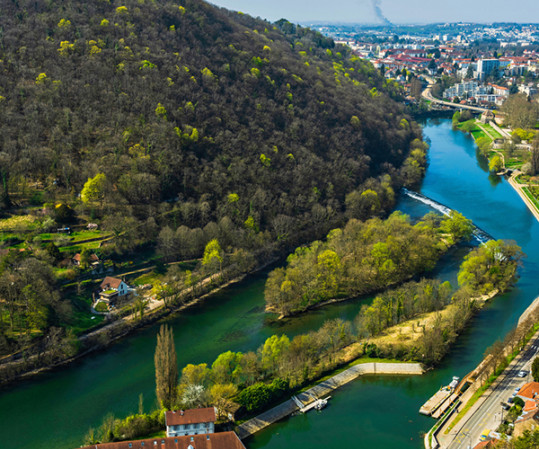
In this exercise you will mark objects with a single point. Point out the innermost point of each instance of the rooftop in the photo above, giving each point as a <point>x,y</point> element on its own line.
<point>191,416</point>
<point>222,440</point>
<point>110,282</point>
<point>529,390</point>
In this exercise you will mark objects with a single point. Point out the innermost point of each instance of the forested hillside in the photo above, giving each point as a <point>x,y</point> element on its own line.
<point>180,101</point>
<point>175,124</point>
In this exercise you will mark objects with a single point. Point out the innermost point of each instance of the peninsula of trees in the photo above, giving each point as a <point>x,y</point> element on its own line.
<point>361,258</point>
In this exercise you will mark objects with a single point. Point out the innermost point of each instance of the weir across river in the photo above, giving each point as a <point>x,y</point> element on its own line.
<point>480,235</point>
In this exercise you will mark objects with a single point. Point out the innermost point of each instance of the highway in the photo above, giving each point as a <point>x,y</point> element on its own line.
<point>490,412</point>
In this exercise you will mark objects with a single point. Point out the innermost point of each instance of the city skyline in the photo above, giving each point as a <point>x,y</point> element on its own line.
<point>396,11</point>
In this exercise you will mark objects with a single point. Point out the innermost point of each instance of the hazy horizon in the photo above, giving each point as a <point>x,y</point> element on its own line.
<point>407,12</point>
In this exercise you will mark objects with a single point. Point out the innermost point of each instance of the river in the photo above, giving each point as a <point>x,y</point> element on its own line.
<point>57,408</point>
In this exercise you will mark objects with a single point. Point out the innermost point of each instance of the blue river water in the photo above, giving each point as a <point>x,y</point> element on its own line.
<point>382,411</point>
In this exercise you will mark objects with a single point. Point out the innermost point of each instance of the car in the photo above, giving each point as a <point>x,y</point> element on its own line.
<point>505,406</point>
<point>510,400</point>
<point>522,373</point>
<point>517,389</point>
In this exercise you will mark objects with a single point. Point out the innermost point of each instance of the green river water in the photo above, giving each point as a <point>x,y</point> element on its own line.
<point>57,408</point>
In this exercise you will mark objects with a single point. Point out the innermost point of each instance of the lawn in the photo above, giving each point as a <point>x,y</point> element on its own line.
<point>477,133</point>
<point>532,198</point>
<point>147,278</point>
<point>513,163</point>
<point>82,317</point>
<point>78,248</point>
<point>19,223</point>
<point>493,132</point>
<point>87,235</point>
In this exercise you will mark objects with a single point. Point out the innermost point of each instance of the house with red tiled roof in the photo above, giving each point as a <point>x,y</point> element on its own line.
<point>529,391</point>
<point>529,406</point>
<point>221,440</point>
<point>194,421</point>
<point>112,287</point>
<point>92,260</point>
<point>490,444</point>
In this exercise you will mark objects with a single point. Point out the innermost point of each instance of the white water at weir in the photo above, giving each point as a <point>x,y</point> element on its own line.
<point>480,235</point>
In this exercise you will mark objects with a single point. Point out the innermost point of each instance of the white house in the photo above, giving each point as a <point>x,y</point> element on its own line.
<point>112,287</point>
<point>194,421</point>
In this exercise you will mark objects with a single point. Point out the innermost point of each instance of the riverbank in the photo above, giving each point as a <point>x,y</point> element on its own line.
<point>32,365</point>
<point>290,406</point>
<point>510,179</point>
<point>529,204</point>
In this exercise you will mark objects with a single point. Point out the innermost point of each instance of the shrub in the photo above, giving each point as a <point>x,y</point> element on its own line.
<point>259,395</point>
<point>101,307</point>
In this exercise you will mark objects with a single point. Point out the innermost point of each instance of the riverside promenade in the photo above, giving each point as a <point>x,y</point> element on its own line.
<point>323,388</point>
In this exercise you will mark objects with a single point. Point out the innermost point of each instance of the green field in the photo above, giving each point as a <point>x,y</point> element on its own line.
<point>532,198</point>
<point>492,131</point>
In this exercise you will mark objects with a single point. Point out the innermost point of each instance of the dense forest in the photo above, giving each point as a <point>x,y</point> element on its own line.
<point>213,112</point>
<point>174,124</point>
<point>363,257</point>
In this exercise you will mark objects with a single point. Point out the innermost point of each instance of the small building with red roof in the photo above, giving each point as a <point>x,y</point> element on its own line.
<point>194,421</point>
<point>529,391</point>
<point>489,444</point>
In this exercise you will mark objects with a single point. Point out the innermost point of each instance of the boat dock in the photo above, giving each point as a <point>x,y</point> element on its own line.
<point>434,402</point>
<point>441,400</point>
<point>317,403</point>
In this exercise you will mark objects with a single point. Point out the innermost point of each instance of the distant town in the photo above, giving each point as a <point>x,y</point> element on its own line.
<point>474,64</point>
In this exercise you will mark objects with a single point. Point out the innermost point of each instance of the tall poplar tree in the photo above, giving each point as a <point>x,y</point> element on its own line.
<point>166,367</point>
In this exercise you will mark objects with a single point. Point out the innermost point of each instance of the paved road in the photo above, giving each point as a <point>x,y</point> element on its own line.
<point>489,414</point>
<point>428,96</point>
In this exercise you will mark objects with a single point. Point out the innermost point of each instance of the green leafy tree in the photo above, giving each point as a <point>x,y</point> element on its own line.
<point>94,189</point>
<point>495,164</point>
<point>457,226</point>
<point>213,254</point>
<point>273,350</point>
<point>227,367</point>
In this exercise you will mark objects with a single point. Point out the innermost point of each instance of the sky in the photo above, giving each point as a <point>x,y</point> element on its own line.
<point>397,11</point>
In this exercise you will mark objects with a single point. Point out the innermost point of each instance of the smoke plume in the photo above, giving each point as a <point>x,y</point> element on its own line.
<point>379,14</point>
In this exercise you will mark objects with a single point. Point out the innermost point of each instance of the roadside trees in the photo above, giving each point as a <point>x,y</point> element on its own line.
<point>535,369</point>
